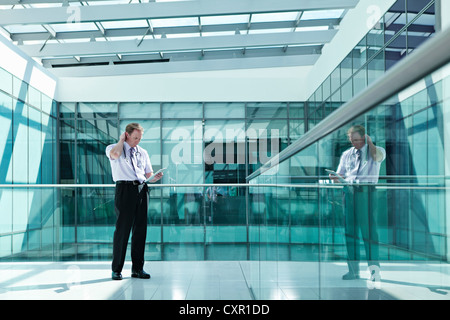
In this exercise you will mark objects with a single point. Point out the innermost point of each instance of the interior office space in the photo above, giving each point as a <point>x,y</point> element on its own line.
<point>246,104</point>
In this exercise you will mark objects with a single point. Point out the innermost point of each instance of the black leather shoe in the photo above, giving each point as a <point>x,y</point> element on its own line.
<point>141,274</point>
<point>116,276</point>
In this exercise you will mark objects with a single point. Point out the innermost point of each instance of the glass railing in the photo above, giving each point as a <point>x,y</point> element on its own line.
<point>392,225</point>
<point>77,222</point>
<point>289,235</point>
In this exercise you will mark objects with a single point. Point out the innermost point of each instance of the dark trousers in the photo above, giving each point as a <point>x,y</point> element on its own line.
<point>131,206</point>
<point>360,210</point>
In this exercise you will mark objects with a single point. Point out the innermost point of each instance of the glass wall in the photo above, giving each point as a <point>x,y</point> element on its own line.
<point>196,142</point>
<point>211,147</point>
<point>406,25</point>
<point>221,143</point>
<point>28,148</point>
<point>394,229</point>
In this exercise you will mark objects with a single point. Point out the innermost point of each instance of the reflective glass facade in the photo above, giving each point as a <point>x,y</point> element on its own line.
<point>197,142</point>
<point>406,25</point>
<point>212,145</point>
<point>28,155</point>
<point>301,216</point>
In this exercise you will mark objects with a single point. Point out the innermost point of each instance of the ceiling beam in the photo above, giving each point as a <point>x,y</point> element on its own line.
<point>178,44</point>
<point>140,31</point>
<point>160,10</point>
<point>184,56</point>
<point>186,66</point>
<point>13,2</point>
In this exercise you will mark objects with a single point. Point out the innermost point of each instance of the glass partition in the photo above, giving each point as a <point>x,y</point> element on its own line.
<point>390,226</point>
<point>185,222</point>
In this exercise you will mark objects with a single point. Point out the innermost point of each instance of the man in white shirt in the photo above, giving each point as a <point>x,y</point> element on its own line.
<point>360,167</point>
<point>130,166</point>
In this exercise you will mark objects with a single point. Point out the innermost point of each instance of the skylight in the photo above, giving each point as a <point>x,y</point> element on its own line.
<point>305,29</point>
<point>183,35</point>
<point>322,14</point>
<point>124,24</point>
<point>281,16</point>
<point>278,30</point>
<point>174,22</point>
<point>70,27</point>
<point>24,28</point>
<point>247,31</point>
<point>220,33</point>
<point>229,19</point>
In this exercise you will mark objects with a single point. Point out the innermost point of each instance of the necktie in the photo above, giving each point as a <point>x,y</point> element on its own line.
<point>358,159</point>
<point>132,158</point>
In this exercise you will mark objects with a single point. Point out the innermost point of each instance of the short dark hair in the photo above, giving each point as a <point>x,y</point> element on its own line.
<point>133,126</point>
<point>357,128</point>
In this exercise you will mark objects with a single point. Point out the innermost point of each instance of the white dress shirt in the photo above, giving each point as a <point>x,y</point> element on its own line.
<point>360,168</point>
<point>128,168</point>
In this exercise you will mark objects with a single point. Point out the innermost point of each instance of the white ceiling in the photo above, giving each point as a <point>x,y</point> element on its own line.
<point>68,36</point>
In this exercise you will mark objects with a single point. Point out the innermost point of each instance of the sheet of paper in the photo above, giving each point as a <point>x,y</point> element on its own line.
<point>154,174</point>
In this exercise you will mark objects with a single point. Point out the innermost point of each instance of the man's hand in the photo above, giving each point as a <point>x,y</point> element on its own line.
<point>334,178</point>
<point>123,136</point>
<point>376,154</point>
<point>116,152</point>
<point>157,177</point>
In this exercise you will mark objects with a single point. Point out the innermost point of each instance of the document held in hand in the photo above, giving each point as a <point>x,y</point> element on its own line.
<point>153,175</point>
<point>334,173</point>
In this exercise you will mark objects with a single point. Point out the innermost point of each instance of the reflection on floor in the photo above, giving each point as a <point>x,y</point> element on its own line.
<point>221,280</point>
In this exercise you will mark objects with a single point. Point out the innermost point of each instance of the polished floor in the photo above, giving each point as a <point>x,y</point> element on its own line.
<point>221,280</point>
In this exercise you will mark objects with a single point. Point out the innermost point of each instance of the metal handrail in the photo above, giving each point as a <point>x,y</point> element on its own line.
<point>240,185</point>
<point>428,58</point>
<point>113,185</point>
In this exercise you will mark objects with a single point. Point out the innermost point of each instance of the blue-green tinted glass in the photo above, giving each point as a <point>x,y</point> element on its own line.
<point>139,110</point>
<point>5,81</point>
<point>267,110</point>
<point>227,110</point>
<point>97,110</point>
<point>182,110</point>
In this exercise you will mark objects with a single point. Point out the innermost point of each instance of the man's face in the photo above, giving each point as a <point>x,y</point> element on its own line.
<point>356,140</point>
<point>134,138</point>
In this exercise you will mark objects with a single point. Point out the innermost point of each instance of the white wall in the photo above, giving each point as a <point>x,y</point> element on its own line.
<point>267,84</point>
<point>22,66</point>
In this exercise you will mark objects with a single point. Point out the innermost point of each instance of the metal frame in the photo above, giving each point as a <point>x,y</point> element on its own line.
<point>163,10</point>
<point>136,32</point>
<point>179,44</point>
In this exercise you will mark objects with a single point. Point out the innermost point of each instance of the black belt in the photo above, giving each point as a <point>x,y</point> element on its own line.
<point>134,183</point>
